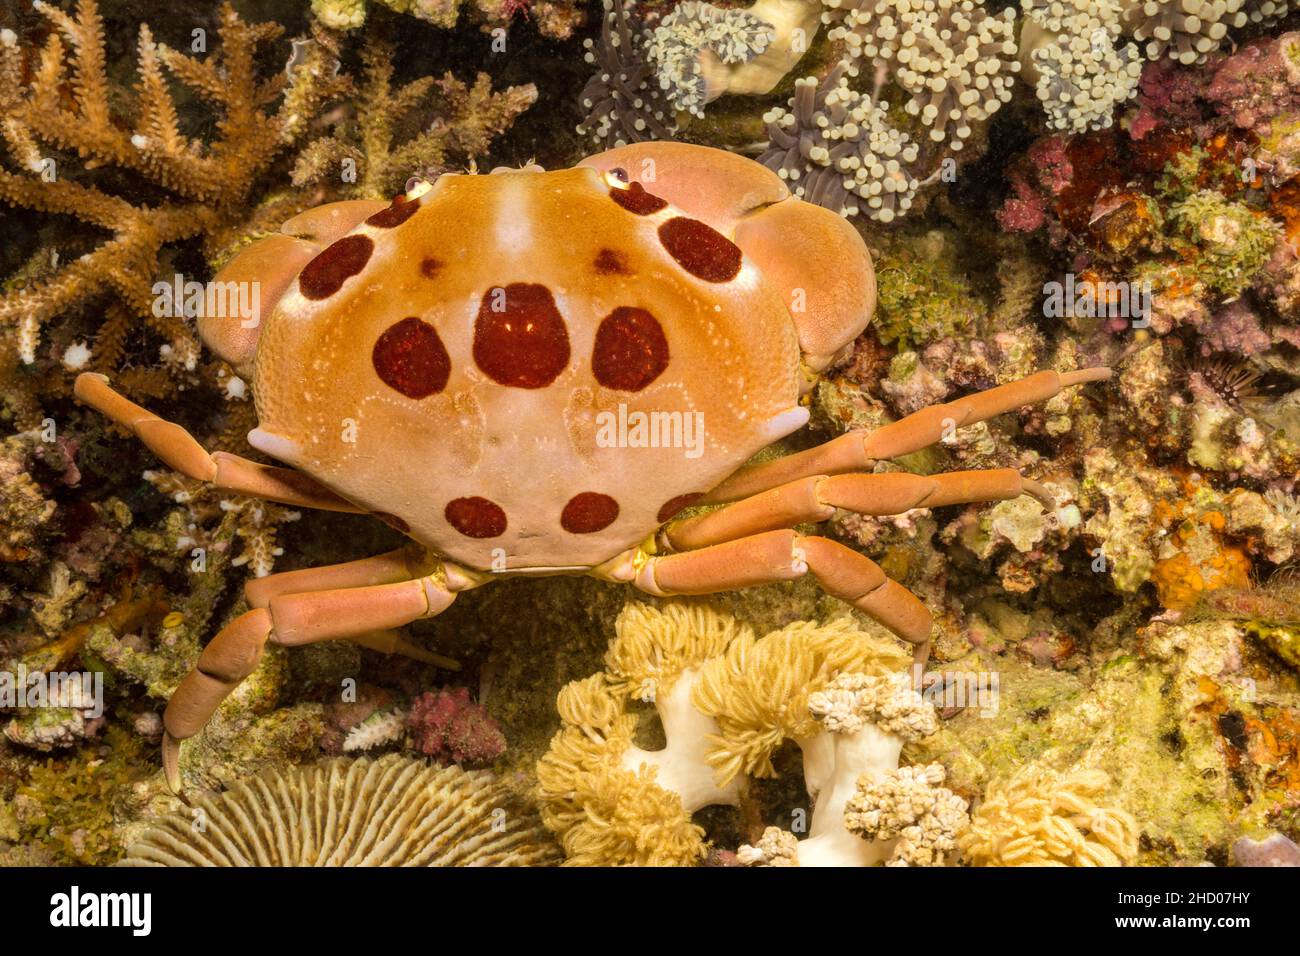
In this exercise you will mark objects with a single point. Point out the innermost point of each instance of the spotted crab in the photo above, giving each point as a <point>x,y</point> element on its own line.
<point>505,367</point>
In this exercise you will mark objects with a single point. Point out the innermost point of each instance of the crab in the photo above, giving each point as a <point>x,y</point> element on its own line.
<point>554,372</point>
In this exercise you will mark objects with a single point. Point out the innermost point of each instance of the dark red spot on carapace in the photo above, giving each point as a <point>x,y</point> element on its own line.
<point>675,506</point>
<point>520,339</point>
<point>401,210</point>
<point>635,199</point>
<point>630,350</point>
<point>337,263</point>
<point>609,262</point>
<point>476,517</point>
<point>588,513</point>
<point>701,250</point>
<point>410,358</point>
<point>430,267</point>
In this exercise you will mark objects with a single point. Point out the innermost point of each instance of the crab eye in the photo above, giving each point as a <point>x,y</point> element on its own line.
<point>416,187</point>
<point>617,178</point>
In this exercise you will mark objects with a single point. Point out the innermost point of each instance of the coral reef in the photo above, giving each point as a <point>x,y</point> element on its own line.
<point>1115,678</point>
<point>209,183</point>
<point>388,812</point>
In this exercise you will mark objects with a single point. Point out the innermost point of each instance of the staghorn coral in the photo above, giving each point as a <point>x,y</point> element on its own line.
<point>388,812</point>
<point>365,153</point>
<point>206,184</point>
<point>955,60</point>
<point>205,515</point>
<point>623,101</point>
<point>1044,818</point>
<point>554,18</point>
<point>836,148</point>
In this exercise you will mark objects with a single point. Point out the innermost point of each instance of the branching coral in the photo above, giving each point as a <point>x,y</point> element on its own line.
<point>955,60</point>
<point>623,102</point>
<point>206,184</point>
<point>836,148</point>
<point>462,129</point>
<point>208,516</point>
<point>1069,53</point>
<point>1044,818</point>
<point>554,18</point>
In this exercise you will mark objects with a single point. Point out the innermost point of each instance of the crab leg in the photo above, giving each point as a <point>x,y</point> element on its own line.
<point>776,556</point>
<point>859,450</point>
<point>816,498</point>
<point>392,567</point>
<point>178,450</point>
<point>291,620</point>
<point>403,564</point>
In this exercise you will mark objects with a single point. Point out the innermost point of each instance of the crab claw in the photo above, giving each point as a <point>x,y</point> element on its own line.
<point>811,256</point>
<point>269,266</point>
<point>171,760</point>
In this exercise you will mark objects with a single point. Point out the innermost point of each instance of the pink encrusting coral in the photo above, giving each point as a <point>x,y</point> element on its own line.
<point>1168,92</point>
<point>451,728</point>
<point>1258,83</point>
<point>1048,173</point>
